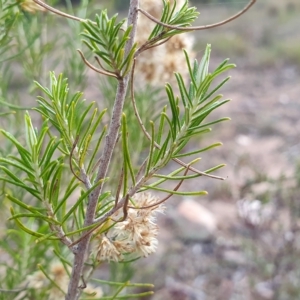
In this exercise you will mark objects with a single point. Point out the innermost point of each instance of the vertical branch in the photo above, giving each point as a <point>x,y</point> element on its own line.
<point>110,142</point>
<point>115,123</point>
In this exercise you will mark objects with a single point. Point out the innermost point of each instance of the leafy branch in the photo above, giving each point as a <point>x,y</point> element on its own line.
<point>52,169</point>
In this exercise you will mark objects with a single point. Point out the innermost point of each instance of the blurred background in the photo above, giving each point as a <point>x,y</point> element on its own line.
<point>242,241</point>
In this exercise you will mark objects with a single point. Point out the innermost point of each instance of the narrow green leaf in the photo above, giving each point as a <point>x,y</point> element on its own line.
<point>210,123</point>
<point>224,69</point>
<point>18,165</point>
<point>197,119</point>
<point>62,259</point>
<point>35,216</point>
<point>177,177</point>
<point>95,151</point>
<point>65,197</point>
<point>203,88</point>
<point>45,105</point>
<point>102,209</point>
<point>172,129</point>
<point>215,89</point>
<point>175,119</point>
<point>203,66</point>
<point>70,111</point>
<point>86,133</point>
<point>186,116</point>
<point>84,150</point>
<point>49,151</point>
<point>128,296</point>
<point>197,151</point>
<point>55,185</point>
<point>30,132</point>
<point>161,126</point>
<point>222,64</point>
<point>173,173</point>
<point>214,168</point>
<point>128,60</point>
<point>191,133</point>
<point>50,279</point>
<point>120,289</point>
<point>22,151</point>
<point>183,92</point>
<point>196,193</point>
<point>46,237</point>
<point>126,153</point>
<point>83,117</point>
<point>24,228</point>
<point>45,90</point>
<point>16,181</point>
<point>41,136</point>
<point>71,233</point>
<point>151,149</point>
<point>47,171</point>
<point>162,152</point>
<point>129,284</point>
<point>33,210</point>
<point>97,122</point>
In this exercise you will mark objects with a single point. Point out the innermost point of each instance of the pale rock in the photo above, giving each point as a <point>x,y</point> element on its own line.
<point>197,213</point>
<point>243,140</point>
<point>264,289</point>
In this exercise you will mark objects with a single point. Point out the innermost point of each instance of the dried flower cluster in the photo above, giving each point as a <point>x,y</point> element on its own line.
<point>158,64</point>
<point>58,274</point>
<point>30,6</point>
<point>136,235</point>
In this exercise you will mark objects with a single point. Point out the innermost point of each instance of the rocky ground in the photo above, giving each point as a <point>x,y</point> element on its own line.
<point>206,243</point>
<point>240,241</point>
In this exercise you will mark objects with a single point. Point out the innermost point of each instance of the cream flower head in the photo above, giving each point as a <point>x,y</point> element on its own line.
<point>30,6</point>
<point>136,235</point>
<point>158,64</point>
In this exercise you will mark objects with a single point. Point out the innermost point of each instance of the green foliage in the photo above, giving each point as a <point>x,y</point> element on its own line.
<point>79,155</point>
<point>19,246</point>
<point>8,17</point>
<point>184,18</point>
<point>197,102</point>
<point>107,39</point>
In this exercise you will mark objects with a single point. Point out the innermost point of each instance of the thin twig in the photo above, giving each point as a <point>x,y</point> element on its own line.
<point>83,285</point>
<point>180,162</point>
<point>101,66</point>
<point>125,210</point>
<point>143,165</point>
<point>148,135</point>
<point>166,198</point>
<point>156,45</point>
<point>198,27</point>
<point>94,68</point>
<point>151,43</point>
<point>58,12</point>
